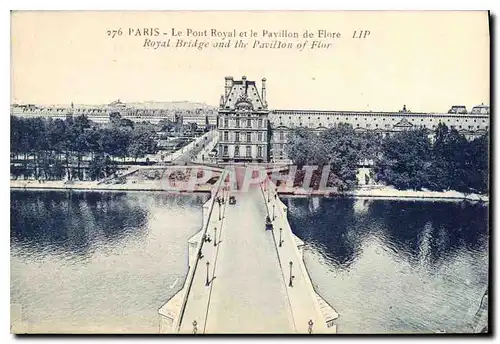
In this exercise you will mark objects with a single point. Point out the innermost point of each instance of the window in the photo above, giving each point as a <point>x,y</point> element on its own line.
<point>236,150</point>
<point>249,123</point>
<point>226,122</point>
<point>260,136</point>
<point>282,135</point>
<point>249,151</point>
<point>237,122</point>
<point>249,137</point>
<point>259,152</point>
<point>226,134</point>
<point>260,122</point>
<point>237,136</point>
<point>225,150</point>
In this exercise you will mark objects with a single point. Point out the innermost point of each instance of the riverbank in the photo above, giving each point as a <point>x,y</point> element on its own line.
<point>386,192</point>
<point>380,192</point>
<point>153,185</point>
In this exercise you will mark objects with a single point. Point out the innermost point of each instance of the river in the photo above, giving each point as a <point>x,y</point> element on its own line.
<point>106,261</point>
<point>395,266</point>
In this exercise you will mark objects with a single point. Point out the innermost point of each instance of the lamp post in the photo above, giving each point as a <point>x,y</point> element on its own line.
<point>290,284</point>
<point>310,323</point>
<point>273,213</point>
<point>281,241</point>
<point>218,201</point>
<point>268,197</point>
<point>207,283</point>
<point>215,236</point>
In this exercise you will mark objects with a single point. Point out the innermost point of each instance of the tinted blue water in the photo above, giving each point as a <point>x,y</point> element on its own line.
<point>105,262</point>
<point>395,266</point>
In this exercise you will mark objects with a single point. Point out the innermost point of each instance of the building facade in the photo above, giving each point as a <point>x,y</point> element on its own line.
<point>249,132</point>
<point>100,114</point>
<point>242,122</point>
<point>470,124</point>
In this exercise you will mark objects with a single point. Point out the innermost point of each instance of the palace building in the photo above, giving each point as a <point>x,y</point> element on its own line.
<point>244,120</point>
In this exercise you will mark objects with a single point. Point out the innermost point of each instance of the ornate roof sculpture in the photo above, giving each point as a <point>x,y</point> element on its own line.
<point>243,102</point>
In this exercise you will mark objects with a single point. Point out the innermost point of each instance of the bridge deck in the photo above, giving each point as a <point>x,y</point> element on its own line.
<point>249,275</point>
<point>248,295</point>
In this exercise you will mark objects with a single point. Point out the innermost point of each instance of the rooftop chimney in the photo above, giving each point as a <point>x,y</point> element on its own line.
<point>228,85</point>
<point>264,101</point>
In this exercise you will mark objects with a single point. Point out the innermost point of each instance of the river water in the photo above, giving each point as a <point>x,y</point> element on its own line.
<point>395,266</point>
<point>98,262</point>
<point>105,262</point>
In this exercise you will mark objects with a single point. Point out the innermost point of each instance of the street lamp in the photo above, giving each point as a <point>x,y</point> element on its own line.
<point>281,241</point>
<point>290,284</point>
<point>215,236</point>
<point>207,283</point>
<point>273,213</point>
<point>268,197</point>
<point>218,201</point>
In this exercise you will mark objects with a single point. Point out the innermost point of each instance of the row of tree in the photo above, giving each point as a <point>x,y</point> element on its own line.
<point>406,160</point>
<point>56,149</point>
<point>410,160</point>
<point>340,147</point>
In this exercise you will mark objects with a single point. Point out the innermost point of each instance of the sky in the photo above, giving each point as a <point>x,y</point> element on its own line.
<point>427,61</point>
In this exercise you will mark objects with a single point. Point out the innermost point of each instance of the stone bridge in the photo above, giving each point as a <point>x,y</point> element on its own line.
<point>243,278</point>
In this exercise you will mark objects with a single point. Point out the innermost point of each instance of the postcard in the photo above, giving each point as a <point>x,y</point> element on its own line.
<point>260,172</point>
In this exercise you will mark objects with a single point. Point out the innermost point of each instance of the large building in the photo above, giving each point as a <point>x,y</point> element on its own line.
<point>242,122</point>
<point>244,119</point>
<point>471,125</point>
<point>101,113</point>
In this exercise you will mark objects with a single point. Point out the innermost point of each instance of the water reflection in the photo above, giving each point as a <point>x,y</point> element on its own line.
<point>396,266</point>
<point>98,261</point>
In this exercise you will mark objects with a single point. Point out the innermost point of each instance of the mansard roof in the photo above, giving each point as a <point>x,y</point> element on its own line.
<point>242,93</point>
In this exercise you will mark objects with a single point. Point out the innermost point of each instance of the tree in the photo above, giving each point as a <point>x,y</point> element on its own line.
<point>406,160</point>
<point>142,142</point>
<point>339,147</point>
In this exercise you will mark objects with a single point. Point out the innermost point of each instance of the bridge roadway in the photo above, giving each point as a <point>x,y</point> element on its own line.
<point>248,293</point>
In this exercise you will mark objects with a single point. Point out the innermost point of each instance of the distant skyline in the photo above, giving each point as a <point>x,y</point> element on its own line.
<point>427,61</point>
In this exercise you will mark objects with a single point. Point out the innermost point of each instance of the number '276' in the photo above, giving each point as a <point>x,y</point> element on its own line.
<point>114,33</point>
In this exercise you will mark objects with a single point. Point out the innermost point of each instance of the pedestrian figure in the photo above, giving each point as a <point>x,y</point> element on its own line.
<point>195,327</point>
<point>200,255</point>
<point>208,238</point>
<point>310,323</point>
